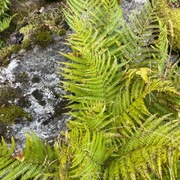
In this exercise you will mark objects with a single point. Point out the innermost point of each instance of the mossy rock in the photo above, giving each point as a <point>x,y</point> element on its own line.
<point>28,30</point>
<point>26,44</point>
<point>10,114</point>
<point>23,7</point>
<point>43,37</point>
<point>7,94</point>
<point>171,16</point>
<point>6,52</point>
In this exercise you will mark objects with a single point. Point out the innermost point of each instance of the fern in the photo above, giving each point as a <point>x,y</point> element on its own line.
<point>116,76</point>
<point>98,78</point>
<point>146,151</point>
<point>146,43</point>
<point>5,20</point>
<point>36,161</point>
<point>125,109</point>
<point>5,23</point>
<point>4,6</point>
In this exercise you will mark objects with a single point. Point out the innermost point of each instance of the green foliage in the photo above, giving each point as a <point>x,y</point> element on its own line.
<point>26,44</point>
<point>124,106</point>
<point>123,101</point>
<point>171,17</point>
<point>4,6</point>
<point>4,18</point>
<point>33,163</point>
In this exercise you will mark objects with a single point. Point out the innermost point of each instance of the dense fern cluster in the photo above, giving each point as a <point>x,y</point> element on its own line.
<point>125,108</point>
<point>124,104</point>
<point>37,161</point>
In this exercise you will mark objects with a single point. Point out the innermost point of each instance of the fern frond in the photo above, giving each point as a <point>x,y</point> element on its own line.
<point>147,151</point>
<point>87,152</point>
<point>173,73</point>
<point>4,6</point>
<point>34,161</point>
<point>98,77</point>
<point>115,75</point>
<point>95,27</point>
<point>140,96</point>
<point>4,18</point>
<point>5,22</point>
<point>93,116</point>
<point>145,43</point>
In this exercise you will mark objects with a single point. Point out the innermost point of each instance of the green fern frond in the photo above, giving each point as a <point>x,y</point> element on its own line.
<point>87,152</point>
<point>145,43</point>
<point>5,22</point>
<point>97,80</point>
<point>4,18</point>
<point>140,96</point>
<point>173,73</point>
<point>115,74</point>
<point>146,153</point>
<point>93,30</point>
<point>4,6</point>
<point>36,161</point>
<point>93,116</point>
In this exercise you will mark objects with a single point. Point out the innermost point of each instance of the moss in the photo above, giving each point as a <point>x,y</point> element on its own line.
<point>37,28</point>
<point>5,62</point>
<point>10,114</point>
<point>19,16</point>
<point>27,30</point>
<point>22,77</point>
<point>6,52</point>
<point>171,16</point>
<point>62,32</point>
<point>43,37</point>
<point>23,7</point>
<point>15,48</point>
<point>26,44</point>
<point>7,94</point>
<point>119,1</point>
<point>4,55</point>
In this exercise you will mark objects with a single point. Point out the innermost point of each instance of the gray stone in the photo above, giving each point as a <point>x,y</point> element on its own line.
<point>36,74</point>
